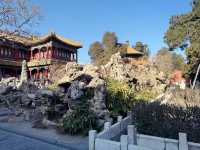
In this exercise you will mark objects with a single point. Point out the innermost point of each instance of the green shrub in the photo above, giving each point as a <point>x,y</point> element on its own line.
<point>167,120</point>
<point>119,99</point>
<point>52,87</point>
<point>79,120</point>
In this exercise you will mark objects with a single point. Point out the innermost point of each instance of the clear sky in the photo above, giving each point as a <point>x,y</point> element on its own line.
<point>87,20</point>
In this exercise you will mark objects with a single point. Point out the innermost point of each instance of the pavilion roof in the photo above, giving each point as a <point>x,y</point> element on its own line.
<point>23,40</point>
<point>32,40</point>
<point>70,42</point>
<point>133,51</point>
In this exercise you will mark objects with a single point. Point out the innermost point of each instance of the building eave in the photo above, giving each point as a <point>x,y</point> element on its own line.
<point>51,36</point>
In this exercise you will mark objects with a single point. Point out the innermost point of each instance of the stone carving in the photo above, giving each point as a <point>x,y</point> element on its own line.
<point>24,76</point>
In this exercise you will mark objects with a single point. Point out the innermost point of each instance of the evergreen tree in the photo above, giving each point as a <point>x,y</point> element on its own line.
<point>168,61</point>
<point>139,46</point>
<point>109,40</point>
<point>184,33</point>
<point>96,50</point>
<point>100,52</point>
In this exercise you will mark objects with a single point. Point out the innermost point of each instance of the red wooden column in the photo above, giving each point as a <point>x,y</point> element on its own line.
<point>46,73</point>
<point>43,73</point>
<point>47,53</point>
<point>39,54</point>
<point>38,74</point>
<point>50,53</point>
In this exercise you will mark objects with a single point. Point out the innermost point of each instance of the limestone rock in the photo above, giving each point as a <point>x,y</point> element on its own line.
<point>11,81</point>
<point>75,90</point>
<point>44,92</point>
<point>180,97</point>
<point>5,89</point>
<point>85,81</point>
<point>78,82</point>
<point>92,70</point>
<point>31,96</point>
<point>72,67</point>
<point>37,120</point>
<point>138,76</point>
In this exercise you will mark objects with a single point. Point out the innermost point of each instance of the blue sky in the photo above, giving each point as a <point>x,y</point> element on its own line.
<point>87,20</point>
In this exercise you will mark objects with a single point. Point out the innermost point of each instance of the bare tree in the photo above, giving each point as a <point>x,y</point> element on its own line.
<point>168,62</point>
<point>18,16</point>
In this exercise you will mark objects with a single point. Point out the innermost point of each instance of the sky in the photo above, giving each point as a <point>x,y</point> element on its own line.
<point>87,20</point>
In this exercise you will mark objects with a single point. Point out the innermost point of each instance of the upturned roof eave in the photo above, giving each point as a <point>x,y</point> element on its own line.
<point>59,38</point>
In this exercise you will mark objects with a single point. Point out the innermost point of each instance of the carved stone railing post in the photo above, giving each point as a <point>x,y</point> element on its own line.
<point>107,125</point>
<point>183,145</point>
<point>124,142</point>
<point>132,135</point>
<point>92,137</point>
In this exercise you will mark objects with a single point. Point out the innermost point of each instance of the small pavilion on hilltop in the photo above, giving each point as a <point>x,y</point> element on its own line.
<point>133,53</point>
<point>132,56</point>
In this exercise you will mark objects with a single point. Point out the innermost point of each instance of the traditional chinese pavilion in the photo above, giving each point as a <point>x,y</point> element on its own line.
<point>133,53</point>
<point>132,56</point>
<point>39,52</point>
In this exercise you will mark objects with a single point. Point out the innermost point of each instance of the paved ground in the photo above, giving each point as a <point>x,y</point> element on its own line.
<point>11,141</point>
<point>17,134</point>
<point>21,136</point>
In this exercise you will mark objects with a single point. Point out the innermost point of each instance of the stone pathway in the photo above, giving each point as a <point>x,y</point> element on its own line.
<point>20,136</point>
<point>11,141</point>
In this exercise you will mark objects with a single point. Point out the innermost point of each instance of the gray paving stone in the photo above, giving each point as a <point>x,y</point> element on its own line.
<point>9,141</point>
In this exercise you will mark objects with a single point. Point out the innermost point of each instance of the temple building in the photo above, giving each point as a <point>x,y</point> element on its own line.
<point>39,52</point>
<point>132,56</point>
<point>133,53</point>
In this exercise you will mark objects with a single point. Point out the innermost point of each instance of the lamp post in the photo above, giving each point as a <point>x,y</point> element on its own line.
<point>195,79</point>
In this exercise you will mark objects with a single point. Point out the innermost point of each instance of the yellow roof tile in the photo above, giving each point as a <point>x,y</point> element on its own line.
<point>62,39</point>
<point>29,40</point>
<point>131,50</point>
